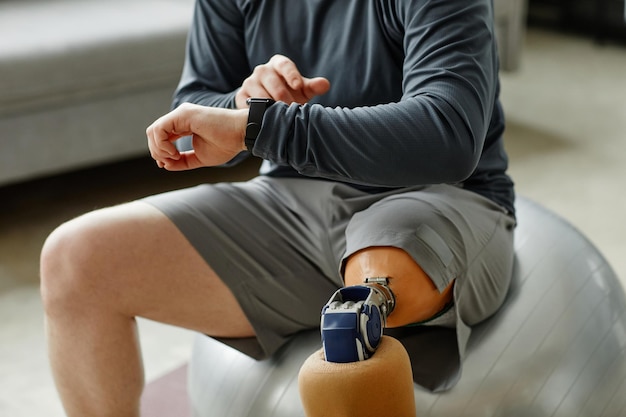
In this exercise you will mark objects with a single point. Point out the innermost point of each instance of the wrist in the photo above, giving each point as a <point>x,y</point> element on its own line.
<point>241,122</point>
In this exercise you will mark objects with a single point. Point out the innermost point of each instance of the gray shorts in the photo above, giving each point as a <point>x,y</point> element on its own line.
<point>280,243</point>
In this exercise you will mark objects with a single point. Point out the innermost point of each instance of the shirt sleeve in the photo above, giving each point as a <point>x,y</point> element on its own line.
<point>215,60</point>
<point>434,134</point>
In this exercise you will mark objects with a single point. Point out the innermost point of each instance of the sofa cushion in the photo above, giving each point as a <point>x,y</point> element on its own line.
<point>54,52</point>
<point>81,79</point>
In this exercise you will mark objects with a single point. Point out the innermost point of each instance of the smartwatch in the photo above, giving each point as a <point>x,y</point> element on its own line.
<point>255,119</point>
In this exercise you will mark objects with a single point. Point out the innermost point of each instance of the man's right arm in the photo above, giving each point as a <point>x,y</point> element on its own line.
<point>215,62</point>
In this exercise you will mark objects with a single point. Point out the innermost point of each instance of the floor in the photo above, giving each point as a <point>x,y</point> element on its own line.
<point>566,137</point>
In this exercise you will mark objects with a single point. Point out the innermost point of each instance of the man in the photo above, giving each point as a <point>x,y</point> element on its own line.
<point>380,126</point>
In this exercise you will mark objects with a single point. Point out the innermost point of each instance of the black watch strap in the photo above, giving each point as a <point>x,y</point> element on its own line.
<point>255,119</point>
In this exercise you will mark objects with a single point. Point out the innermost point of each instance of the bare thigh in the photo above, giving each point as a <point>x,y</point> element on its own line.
<point>130,259</point>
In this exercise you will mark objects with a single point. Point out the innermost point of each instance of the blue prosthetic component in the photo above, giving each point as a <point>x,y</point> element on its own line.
<point>353,321</point>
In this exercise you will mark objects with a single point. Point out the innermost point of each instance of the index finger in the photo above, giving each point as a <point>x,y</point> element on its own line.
<point>288,70</point>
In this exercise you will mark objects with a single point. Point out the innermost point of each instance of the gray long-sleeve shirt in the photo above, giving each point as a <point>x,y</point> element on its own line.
<point>414,88</point>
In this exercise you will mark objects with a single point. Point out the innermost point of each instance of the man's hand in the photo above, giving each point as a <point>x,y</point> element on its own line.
<point>280,80</point>
<point>218,136</point>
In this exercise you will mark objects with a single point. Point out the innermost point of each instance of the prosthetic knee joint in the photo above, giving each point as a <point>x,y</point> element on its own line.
<point>353,320</point>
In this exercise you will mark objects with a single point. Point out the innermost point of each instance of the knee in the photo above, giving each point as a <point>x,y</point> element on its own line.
<point>64,261</point>
<point>417,297</point>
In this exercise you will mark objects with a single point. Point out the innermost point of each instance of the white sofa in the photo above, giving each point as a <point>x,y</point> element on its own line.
<point>81,79</point>
<point>510,20</point>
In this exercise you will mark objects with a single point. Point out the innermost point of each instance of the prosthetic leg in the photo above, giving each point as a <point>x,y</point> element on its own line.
<point>359,372</point>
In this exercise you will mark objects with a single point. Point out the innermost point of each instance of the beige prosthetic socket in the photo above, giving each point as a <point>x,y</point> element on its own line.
<point>378,387</point>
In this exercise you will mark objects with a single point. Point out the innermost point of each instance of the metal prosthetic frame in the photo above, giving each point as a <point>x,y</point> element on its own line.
<point>353,320</point>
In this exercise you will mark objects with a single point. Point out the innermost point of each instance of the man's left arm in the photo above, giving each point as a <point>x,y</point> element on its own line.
<point>435,134</point>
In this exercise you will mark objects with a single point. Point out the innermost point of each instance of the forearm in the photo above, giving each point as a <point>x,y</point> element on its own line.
<point>198,95</point>
<point>418,141</point>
